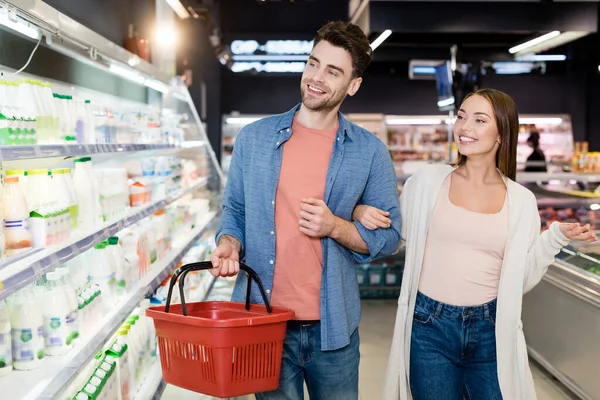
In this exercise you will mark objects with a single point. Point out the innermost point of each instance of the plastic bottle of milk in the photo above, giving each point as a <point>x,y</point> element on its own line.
<point>27,332</point>
<point>118,258</point>
<point>15,212</point>
<point>5,341</point>
<point>73,316</point>
<point>103,274</point>
<point>56,310</point>
<point>90,214</point>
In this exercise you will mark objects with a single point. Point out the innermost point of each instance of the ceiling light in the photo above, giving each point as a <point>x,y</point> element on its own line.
<point>241,120</point>
<point>414,121</point>
<point>541,121</point>
<point>533,42</point>
<point>269,58</point>
<point>446,102</point>
<point>166,35</point>
<point>178,8</point>
<point>542,57</point>
<point>386,34</point>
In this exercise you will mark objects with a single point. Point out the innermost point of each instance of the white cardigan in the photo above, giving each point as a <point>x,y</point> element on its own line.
<point>526,259</point>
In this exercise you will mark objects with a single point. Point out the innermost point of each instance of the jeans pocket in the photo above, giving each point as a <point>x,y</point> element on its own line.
<point>422,315</point>
<point>491,320</point>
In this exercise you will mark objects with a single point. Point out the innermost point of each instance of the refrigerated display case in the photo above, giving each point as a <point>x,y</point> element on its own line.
<point>561,315</point>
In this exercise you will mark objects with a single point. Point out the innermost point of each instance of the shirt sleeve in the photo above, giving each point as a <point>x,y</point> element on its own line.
<point>233,219</point>
<point>381,192</point>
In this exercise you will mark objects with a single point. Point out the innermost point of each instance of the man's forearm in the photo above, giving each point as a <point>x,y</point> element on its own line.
<point>346,234</point>
<point>236,243</point>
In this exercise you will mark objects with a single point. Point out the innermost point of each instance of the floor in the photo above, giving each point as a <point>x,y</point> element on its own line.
<point>376,335</point>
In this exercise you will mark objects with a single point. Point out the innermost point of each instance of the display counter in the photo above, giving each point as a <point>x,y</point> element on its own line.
<point>561,315</point>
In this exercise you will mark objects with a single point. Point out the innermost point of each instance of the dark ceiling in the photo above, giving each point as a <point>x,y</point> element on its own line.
<point>421,29</point>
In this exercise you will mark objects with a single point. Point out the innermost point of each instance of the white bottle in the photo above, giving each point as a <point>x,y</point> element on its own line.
<point>73,194</point>
<point>5,341</point>
<point>89,207</point>
<point>56,310</point>
<point>26,330</point>
<point>15,212</point>
<point>73,316</point>
<point>118,258</point>
<point>103,274</point>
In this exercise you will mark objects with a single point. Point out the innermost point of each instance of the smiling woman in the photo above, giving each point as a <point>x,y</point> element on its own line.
<point>488,124</point>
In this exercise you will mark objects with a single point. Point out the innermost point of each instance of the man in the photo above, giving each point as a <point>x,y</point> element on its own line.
<point>293,183</point>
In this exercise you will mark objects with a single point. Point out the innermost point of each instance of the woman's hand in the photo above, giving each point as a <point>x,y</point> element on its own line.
<point>371,217</point>
<point>578,232</point>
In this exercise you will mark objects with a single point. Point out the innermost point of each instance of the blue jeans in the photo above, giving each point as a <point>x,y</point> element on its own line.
<point>453,352</point>
<point>329,375</point>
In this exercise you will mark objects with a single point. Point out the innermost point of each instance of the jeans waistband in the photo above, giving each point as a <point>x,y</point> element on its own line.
<point>438,308</point>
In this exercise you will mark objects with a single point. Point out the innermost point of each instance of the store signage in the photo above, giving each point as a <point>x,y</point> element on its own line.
<point>271,47</point>
<point>269,67</point>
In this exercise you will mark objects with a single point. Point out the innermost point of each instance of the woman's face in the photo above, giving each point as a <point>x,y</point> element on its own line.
<point>475,128</point>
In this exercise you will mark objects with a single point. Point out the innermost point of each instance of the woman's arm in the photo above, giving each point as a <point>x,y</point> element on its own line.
<point>547,245</point>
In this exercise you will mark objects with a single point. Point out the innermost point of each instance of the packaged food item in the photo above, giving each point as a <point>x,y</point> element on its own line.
<point>56,310</point>
<point>27,330</point>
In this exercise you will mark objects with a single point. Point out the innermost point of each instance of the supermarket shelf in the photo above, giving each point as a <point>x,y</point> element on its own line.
<point>154,386</point>
<point>57,373</point>
<point>18,273</point>
<point>524,177</point>
<point>15,153</point>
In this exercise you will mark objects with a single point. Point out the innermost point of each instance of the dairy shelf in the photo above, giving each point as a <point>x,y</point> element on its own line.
<point>20,272</point>
<point>16,153</point>
<point>58,372</point>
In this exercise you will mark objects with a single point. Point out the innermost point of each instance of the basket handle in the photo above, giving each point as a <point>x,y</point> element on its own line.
<point>206,265</point>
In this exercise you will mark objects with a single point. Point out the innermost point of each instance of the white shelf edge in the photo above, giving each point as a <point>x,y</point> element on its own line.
<point>58,373</point>
<point>16,274</point>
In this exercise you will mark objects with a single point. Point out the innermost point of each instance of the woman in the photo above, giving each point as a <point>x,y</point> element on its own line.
<point>473,248</point>
<point>536,162</point>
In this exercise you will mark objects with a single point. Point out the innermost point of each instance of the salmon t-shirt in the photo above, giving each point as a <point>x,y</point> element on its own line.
<point>298,257</point>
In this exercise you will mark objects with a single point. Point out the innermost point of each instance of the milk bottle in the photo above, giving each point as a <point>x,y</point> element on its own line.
<point>15,212</point>
<point>56,310</point>
<point>27,337</point>
<point>5,341</point>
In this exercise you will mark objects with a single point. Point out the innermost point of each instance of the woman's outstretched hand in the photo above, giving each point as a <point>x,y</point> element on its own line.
<point>577,232</point>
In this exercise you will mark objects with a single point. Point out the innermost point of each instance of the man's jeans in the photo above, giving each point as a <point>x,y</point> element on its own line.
<point>453,352</point>
<point>329,375</point>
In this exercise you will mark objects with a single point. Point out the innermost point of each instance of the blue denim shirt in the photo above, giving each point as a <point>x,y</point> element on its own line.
<point>360,172</point>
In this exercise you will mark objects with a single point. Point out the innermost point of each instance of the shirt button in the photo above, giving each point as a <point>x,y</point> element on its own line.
<point>272,233</point>
<point>273,202</point>
<point>287,130</point>
<point>277,143</point>
<point>271,262</point>
<point>268,291</point>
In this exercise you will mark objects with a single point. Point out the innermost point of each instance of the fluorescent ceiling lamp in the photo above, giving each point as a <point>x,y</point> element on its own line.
<point>270,67</point>
<point>132,75</point>
<point>241,120</point>
<point>377,42</point>
<point>533,42</point>
<point>541,121</point>
<point>269,58</point>
<point>542,57</point>
<point>446,102</point>
<point>178,8</point>
<point>424,70</point>
<point>595,207</point>
<point>20,26</point>
<point>414,121</point>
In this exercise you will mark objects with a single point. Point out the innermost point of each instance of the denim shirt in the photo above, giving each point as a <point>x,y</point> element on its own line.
<point>360,172</point>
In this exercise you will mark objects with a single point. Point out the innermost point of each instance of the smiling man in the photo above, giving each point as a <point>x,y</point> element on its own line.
<point>294,182</point>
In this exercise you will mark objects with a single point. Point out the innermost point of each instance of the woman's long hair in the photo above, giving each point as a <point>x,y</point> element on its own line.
<point>507,122</point>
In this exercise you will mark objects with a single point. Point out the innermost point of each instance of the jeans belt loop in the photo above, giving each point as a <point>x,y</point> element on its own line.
<point>438,309</point>
<point>486,311</point>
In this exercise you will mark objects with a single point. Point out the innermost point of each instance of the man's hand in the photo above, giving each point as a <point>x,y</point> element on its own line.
<point>316,220</point>
<point>226,257</point>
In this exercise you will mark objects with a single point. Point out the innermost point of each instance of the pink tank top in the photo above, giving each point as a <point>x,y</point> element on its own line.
<point>463,253</point>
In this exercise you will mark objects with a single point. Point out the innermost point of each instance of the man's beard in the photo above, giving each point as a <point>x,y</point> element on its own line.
<point>322,105</point>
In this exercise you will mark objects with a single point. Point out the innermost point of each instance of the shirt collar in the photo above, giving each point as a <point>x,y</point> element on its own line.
<point>287,119</point>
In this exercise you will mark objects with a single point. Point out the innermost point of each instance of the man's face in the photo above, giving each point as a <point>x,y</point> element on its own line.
<point>327,78</point>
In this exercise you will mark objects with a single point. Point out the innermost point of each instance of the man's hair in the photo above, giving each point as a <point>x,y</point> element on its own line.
<point>351,38</point>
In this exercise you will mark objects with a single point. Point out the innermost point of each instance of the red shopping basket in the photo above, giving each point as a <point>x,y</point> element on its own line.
<point>221,349</point>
